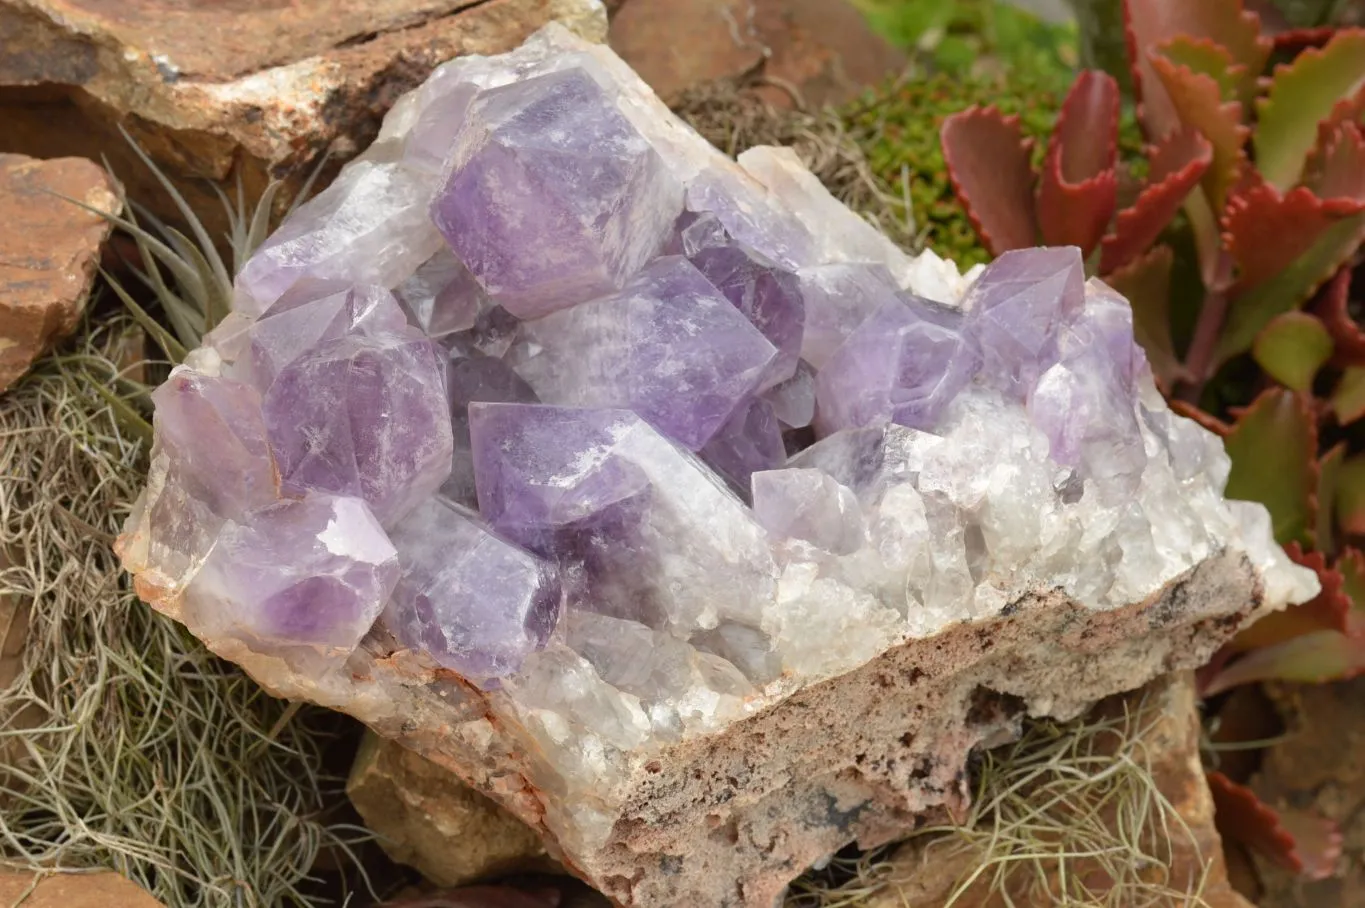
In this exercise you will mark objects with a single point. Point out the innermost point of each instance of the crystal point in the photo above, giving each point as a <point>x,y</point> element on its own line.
<point>553,197</point>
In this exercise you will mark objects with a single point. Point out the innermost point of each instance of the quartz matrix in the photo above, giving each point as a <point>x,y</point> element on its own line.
<point>546,401</point>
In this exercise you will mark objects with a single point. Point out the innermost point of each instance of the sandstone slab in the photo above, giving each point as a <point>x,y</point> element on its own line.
<point>812,51</point>
<point>49,251</point>
<point>256,89</point>
<point>72,890</point>
<point>428,819</point>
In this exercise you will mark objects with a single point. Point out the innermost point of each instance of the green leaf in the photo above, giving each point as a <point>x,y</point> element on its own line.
<point>1289,287</point>
<point>1312,658</point>
<point>1348,400</point>
<point>1329,470</point>
<point>1351,566</point>
<point>1273,447</point>
<point>1350,497</point>
<point>175,352</point>
<point>1292,347</point>
<point>1302,95</point>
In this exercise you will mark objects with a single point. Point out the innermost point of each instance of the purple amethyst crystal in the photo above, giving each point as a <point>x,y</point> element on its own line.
<point>750,440</point>
<point>474,602</point>
<point>1083,402</point>
<point>610,500</point>
<point>472,377</point>
<point>211,431</point>
<point>368,227</point>
<point>793,401</point>
<point>289,329</point>
<point>905,364</point>
<point>838,299</point>
<point>1016,308</point>
<point>363,416</point>
<point>442,297</point>
<point>669,346</point>
<point>748,216</point>
<point>553,197</point>
<point>310,572</point>
<point>769,297</point>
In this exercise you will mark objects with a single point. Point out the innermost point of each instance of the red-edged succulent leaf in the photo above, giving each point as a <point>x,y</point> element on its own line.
<point>1146,283</point>
<point>1078,185</point>
<point>1273,446</point>
<point>1313,658</point>
<point>1302,843</point>
<point>988,161</point>
<point>1208,421</point>
<point>1291,348</point>
<point>1149,23</point>
<point>1351,565</point>
<point>1350,499</point>
<point>1296,40</point>
<point>1285,247</point>
<point>1201,105</point>
<point>1336,169</point>
<point>1177,164</point>
<point>1302,94</point>
<point>1348,398</point>
<point>1333,307</point>
<point>1329,470</point>
<point>1328,611</point>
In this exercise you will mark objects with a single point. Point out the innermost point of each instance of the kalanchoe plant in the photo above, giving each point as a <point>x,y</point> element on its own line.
<point>1237,251</point>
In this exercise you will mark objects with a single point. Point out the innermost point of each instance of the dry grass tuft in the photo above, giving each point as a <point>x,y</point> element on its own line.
<point>1069,815</point>
<point>735,119</point>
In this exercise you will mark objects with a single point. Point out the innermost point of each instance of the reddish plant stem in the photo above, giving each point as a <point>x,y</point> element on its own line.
<point>1199,358</point>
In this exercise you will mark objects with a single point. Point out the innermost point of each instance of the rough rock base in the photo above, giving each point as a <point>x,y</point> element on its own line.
<point>729,820</point>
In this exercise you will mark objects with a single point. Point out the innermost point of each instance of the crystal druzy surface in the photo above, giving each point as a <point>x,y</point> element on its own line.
<point>546,392</point>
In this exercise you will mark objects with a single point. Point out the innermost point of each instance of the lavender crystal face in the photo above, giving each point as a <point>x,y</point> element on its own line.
<point>669,346</point>
<point>553,197</point>
<point>768,296</point>
<point>750,440</point>
<point>363,416</point>
<point>1016,308</point>
<point>290,329</point>
<point>545,396</point>
<point>442,297</point>
<point>313,572</point>
<point>611,500</point>
<point>906,363</point>
<point>474,602</point>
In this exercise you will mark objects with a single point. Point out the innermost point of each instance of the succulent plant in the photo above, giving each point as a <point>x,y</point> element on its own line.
<point>1238,250</point>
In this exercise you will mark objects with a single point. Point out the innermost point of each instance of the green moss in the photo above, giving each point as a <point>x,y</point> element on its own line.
<point>898,127</point>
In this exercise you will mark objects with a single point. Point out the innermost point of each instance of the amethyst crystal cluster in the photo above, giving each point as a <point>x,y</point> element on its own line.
<point>546,392</point>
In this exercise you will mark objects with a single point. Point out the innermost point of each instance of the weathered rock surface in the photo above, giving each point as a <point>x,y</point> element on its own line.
<point>692,690</point>
<point>823,49</point>
<point>73,890</point>
<point>926,872</point>
<point>49,250</point>
<point>255,88</point>
<point>428,819</point>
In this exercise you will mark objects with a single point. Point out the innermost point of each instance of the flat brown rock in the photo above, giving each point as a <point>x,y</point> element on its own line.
<point>428,819</point>
<point>256,88</point>
<point>49,250</point>
<point>72,890</point>
<point>811,51</point>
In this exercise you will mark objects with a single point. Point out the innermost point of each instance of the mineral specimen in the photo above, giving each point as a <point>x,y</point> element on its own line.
<point>662,498</point>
